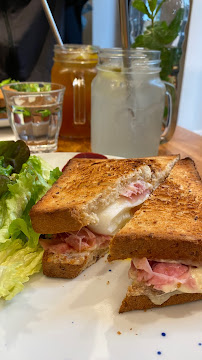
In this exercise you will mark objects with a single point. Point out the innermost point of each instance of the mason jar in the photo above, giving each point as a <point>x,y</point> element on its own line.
<point>75,67</point>
<point>128,99</point>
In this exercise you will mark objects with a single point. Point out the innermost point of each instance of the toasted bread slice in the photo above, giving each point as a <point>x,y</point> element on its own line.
<point>60,266</point>
<point>89,184</point>
<point>169,224</point>
<point>137,298</point>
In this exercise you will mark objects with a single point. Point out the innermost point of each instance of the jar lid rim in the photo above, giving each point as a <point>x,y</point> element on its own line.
<point>137,53</point>
<point>76,48</point>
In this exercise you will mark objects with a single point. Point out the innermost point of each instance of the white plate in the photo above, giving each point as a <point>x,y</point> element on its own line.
<point>56,319</point>
<point>4,123</point>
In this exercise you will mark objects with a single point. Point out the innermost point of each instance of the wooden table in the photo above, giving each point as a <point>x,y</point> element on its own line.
<point>184,142</point>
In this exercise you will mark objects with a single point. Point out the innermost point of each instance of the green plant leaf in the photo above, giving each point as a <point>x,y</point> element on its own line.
<point>140,5</point>
<point>152,5</point>
<point>174,26</point>
<point>148,40</point>
<point>159,7</point>
<point>167,34</point>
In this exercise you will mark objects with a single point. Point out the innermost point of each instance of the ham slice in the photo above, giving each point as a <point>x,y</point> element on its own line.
<point>137,192</point>
<point>160,274</point>
<point>82,240</point>
<point>134,189</point>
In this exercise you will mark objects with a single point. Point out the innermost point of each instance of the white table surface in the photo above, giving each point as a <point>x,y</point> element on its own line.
<point>6,133</point>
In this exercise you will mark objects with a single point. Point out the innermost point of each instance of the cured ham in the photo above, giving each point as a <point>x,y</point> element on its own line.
<point>161,274</point>
<point>82,240</point>
<point>134,189</point>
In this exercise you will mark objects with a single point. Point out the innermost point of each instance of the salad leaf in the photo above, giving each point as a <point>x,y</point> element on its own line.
<point>15,153</point>
<point>20,252</point>
<point>5,170</point>
<point>30,185</point>
<point>20,228</point>
<point>54,175</point>
<point>4,181</point>
<point>17,264</point>
<point>7,81</point>
<point>31,87</point>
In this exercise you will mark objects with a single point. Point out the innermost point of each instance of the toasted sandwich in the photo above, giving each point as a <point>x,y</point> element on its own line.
<point>90,202</point>
<point>164,241</point>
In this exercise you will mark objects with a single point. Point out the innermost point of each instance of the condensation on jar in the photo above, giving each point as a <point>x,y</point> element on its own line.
<point>128,99</point>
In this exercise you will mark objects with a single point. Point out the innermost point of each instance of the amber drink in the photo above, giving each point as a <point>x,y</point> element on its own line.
<point>75,67</point>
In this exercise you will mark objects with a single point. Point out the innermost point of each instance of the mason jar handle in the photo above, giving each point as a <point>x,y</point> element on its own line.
<point>79,101</point>
<point>171,121</point>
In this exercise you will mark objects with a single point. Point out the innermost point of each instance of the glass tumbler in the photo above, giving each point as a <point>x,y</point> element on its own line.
<point>34,111</point>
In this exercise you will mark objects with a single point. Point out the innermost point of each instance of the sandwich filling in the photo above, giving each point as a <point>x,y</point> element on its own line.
<point>165,279</point>
<point>73,243</point>
<point>110,220</point>
<point>113,217</point>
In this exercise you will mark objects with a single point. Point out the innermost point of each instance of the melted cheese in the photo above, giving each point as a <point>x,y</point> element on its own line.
<point>116,215</point>
<point>160,299</point>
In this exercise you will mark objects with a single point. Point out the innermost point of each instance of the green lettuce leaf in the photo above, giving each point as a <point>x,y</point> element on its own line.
<point>20,253</point>
<point>20,228</point>
<point>54,175</point>
<point>17,263</point>
<point>30,185</point>
<point>5,170</point>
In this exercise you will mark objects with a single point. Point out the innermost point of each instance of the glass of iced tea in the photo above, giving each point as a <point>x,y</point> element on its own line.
<point>75,67</point>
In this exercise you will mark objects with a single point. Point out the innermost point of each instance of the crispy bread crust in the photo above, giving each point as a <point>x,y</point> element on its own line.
<point>58,265</point>
<point>142,302</point>
<point>89,183</point>
<point>169,224</point>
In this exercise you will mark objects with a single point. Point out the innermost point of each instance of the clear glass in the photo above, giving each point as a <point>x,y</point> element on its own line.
<point>35,116</point>
<point>127,103</point>
<point>75,67</point>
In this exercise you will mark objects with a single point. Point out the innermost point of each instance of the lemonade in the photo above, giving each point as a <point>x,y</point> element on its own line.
<point>127,107</point>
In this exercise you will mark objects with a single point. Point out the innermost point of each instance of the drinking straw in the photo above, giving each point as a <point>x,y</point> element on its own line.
<point>124,21</point>
<point>52,23</point>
